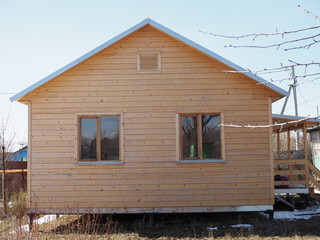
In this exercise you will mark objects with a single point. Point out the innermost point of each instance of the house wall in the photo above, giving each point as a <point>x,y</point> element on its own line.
<point>150,179</point>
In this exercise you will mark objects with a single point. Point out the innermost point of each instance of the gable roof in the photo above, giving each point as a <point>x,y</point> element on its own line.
<point>133,29</point>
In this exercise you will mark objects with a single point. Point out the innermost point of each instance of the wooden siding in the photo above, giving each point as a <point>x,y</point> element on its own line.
<point>150,177</point>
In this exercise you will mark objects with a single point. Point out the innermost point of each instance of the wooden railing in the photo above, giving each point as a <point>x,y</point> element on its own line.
<point>313,176</point>
<point>291,173</point>
<point>296,173</point>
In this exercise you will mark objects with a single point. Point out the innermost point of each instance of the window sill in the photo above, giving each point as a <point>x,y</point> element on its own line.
<point>100,163</point>
<point>201,161</point>
<point>148,71</point>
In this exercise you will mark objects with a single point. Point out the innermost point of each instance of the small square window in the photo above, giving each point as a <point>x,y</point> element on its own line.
<point>148,62</point>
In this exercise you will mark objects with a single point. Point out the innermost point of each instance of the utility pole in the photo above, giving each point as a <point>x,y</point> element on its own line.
<point>293,86</point>
<point>294,78</point>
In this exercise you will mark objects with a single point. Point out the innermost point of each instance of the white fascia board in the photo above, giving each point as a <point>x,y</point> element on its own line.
<point>131,30</point>
<point>295,118</point>
<point>292,190</point>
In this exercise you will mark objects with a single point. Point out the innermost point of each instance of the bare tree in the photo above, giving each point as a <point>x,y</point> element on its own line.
<point>6,143</point>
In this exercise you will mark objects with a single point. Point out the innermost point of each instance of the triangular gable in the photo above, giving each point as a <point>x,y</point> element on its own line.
<point>133,29</point>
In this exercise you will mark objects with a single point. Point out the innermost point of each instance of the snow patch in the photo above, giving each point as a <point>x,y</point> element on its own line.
<point>44,219</point>
<point>242,226</point>
<point>213,228</point>
<point>296,214</point>
<point>233,226</point>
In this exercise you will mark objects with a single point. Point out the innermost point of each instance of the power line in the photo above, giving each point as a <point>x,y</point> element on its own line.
<point>305,101</point>
<point>315,83</point>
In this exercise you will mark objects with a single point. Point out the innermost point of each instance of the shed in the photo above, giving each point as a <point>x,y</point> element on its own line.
<point>134,126</point>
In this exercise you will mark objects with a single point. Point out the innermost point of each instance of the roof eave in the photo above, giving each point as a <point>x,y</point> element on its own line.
<point>295,118</point>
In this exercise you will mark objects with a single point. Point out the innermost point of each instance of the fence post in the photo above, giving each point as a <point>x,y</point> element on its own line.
<point>22,180</point>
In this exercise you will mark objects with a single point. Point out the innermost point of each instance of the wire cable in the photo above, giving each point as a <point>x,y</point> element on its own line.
<point>305,101</point>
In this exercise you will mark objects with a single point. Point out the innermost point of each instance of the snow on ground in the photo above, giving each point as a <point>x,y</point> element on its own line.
<point>296,214</point>
<point>281,215</point>
<point>242,226</point>
<point>212,228</point>
<point>233,226</point>
<point>44,219</point>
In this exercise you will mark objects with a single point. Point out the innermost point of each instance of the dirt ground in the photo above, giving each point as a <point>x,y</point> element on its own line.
<point>166,226</point>
<point>192,226</point>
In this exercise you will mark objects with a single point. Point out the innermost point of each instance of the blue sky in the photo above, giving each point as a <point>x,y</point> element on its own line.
<point>40,36</point>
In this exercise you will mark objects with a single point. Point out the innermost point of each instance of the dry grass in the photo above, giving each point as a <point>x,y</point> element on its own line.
<point>166,226</point>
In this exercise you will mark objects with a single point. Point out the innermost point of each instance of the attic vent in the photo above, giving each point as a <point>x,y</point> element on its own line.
<point>148,62</point>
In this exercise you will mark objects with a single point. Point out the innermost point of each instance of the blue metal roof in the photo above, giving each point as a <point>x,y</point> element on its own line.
<point>133,29</point>
<point>296,118</point>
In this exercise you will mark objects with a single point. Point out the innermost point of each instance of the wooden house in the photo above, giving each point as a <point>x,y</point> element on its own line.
<point>136,126</point>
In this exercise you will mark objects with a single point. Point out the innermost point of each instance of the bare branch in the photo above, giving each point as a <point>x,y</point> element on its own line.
<point>297,77</point>
<point>311,80</point>
<point>306,38</point>
<point>279,44</point>
<point>277,69</point>
<point>255,35</point>
<point>7,137</point>
<point>312,14</point>
<point>306,46</point>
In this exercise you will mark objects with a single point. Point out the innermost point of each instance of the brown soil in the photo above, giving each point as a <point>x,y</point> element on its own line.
<point>187,226</point>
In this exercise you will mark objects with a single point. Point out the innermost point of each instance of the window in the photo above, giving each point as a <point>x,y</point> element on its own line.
<point>148,62</point>
<point>200,136</point>
<point>99,138</point>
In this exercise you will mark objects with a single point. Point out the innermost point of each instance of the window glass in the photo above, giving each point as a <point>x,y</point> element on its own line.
<point>110,138</point>
<point>88,138</point>
<point>189,137</point>
<point>211,146</point>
